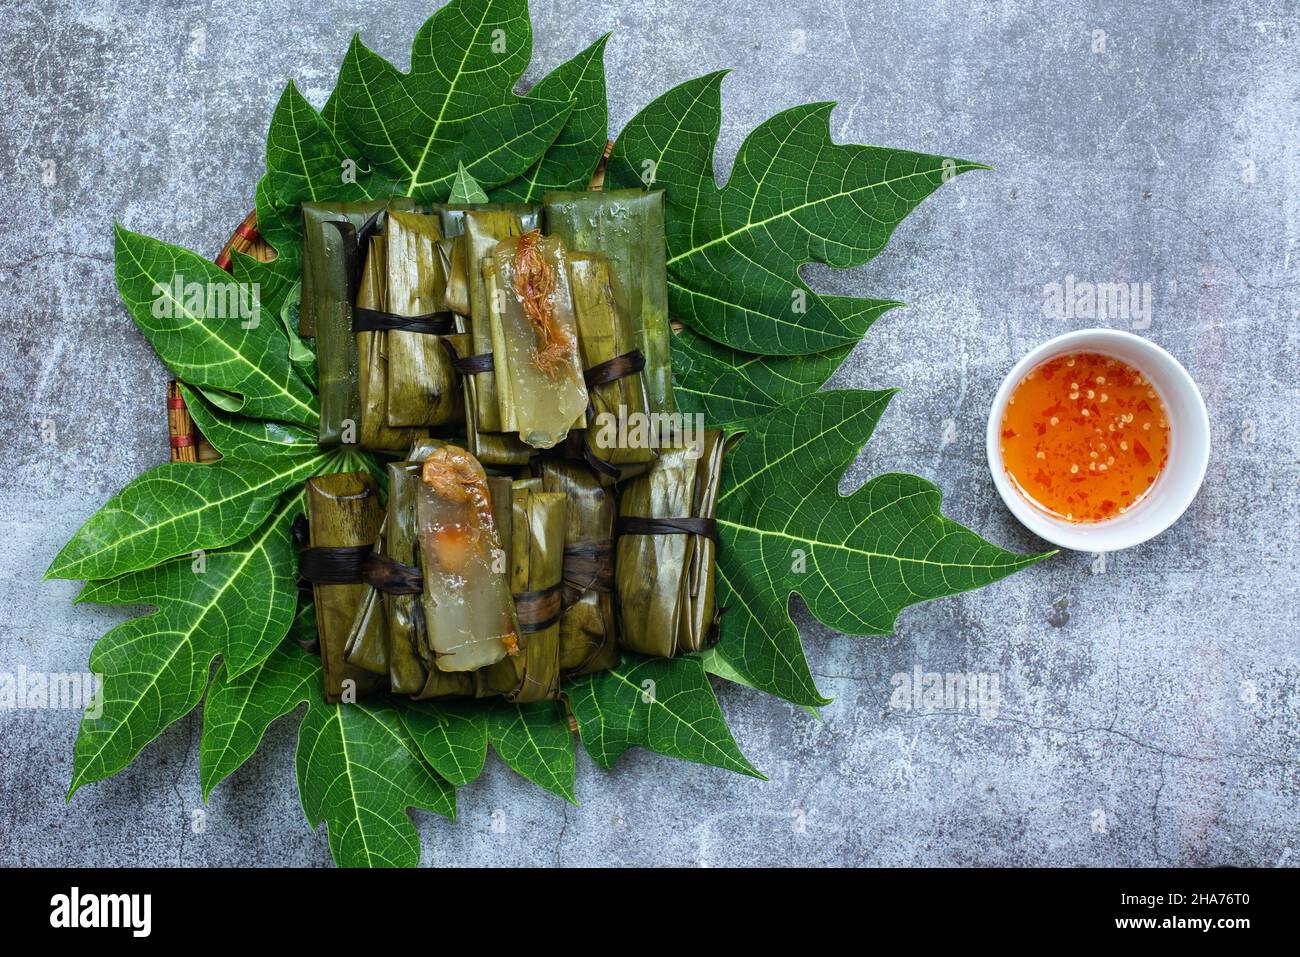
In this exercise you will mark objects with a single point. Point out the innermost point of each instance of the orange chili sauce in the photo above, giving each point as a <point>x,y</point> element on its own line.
<point>1084,436</point>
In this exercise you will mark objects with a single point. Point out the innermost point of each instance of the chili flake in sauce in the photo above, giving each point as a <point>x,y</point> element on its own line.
<point>1084,436</point>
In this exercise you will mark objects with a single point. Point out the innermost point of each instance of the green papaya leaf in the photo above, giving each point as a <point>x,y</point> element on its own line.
<point>155,667</point>
<point>464,189</point>
<point>177,507</point>
<point>728,386</point>
<point>282,297</point>
<point>452,736</point>
<point>856,560</point>
<point>456,105</point>
<point>305,162</point>
<point>535,740</point>
<point>239,708</point>
<point>203,326</point>
<point>280,225</point>
<point>236,436</point>
<point>225,401</point>
<point>663,704</point>
<point>304,624</point>
<point>718,666</point>
<point>358,771</point>
<point>793,197</point>
<point>572,158</point>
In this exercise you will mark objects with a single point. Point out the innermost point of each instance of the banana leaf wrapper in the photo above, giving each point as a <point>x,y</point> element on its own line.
<point>326,310</point>
<point>423,387</point>
<point>447,684</point>
<point>367,642</point>
<point>468,611</point>
<point>617,432</point>
<point>536,567</point>
<point>451,252</point>
<point>664,582</point>
<point>588,624</point>
<point>627,225</point>
<point>407,669</point>
<point>342,511</point>
<point>372,350</point>
<point>501,449</point>
<point>452,219</point>
<point>540,389</point>
<point>407,382</point>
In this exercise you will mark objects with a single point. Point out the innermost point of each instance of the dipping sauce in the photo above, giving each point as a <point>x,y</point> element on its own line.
<point>1084,437</point>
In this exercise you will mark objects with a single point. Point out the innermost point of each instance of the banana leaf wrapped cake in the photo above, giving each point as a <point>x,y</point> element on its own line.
<point>587,624</point>
<point>534,526</point>
<point>627,226</point>
<point>476,230</point>
<point>330,272</point>
<point>537,520</point>
<point>344,519</point>
<point>666,549</point>
<point>412,661</point>
<point>617,442</point>
<point>407,380</point>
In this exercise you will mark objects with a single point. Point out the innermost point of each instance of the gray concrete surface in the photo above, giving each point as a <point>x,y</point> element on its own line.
<point>1149,708</point>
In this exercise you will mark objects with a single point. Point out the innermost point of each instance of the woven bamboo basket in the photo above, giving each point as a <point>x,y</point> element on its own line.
<point>187,442</point>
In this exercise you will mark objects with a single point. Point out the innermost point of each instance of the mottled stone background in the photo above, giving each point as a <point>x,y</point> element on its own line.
<point>1149,708</point>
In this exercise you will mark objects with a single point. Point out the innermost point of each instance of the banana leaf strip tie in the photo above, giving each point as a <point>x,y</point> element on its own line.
<point>634,525</point>
<point>588,565</point>
<point>629,363</point>
<point>539,610</point>
<point>470,365</point>
<point>358,565</point>
<point>372,320</point>
<point>611,370</point>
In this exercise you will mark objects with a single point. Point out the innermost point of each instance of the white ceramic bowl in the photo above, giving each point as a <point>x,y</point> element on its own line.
<point>1189,445</point>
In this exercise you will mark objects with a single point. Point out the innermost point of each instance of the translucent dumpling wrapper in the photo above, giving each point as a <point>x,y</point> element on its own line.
<point>491,448</point>
<point>468,611</point>
<point>342,512</point>
<point>540,388</point>
<point>618,436</point>
<point>587,625</point>
<point>627,226</point>
<point>664,569</point>
<point>536,566</point>
<point>407,381</point>
<point>326,310</point>
<point>411,659</point>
